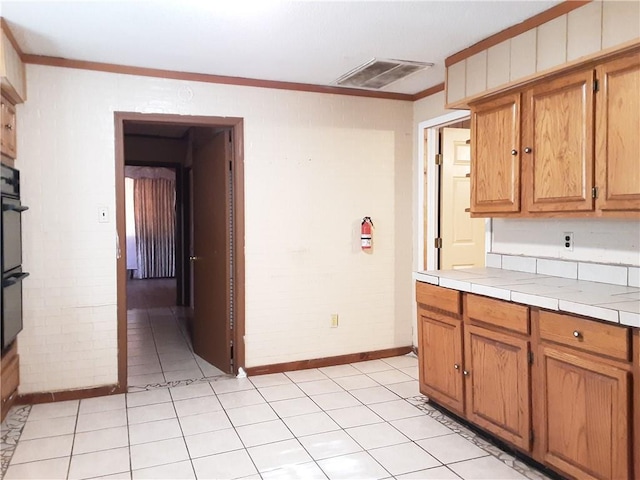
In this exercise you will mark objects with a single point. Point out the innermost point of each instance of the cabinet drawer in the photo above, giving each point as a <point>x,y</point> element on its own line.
<point>438,298</point>
<point>610,340</point>
<point>509,316</point>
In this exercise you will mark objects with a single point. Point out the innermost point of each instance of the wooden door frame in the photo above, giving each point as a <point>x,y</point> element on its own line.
<point>428,179</point>
<point>236,124</point>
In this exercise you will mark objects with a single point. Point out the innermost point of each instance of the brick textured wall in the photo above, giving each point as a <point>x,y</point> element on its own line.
<point>314,165</point>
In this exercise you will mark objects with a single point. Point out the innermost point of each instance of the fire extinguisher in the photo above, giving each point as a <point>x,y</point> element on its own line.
<point>365,233</point>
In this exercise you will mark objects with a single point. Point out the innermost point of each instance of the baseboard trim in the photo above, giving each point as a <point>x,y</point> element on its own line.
<point>62,395</point>
<point>328,361</point>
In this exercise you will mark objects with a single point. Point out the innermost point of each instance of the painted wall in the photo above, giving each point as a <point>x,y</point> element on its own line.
<point>314,165</point>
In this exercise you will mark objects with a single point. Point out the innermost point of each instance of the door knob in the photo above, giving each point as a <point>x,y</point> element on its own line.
<point>465,373</point>
<point>456,366</point>
<point>528,150</point>
<point>514,152</point>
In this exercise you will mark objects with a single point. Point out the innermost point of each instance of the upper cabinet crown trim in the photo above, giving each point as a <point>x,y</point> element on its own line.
<point>515,30</point>
<point>592,31</point>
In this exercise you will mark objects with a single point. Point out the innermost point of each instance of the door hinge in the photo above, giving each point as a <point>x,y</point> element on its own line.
<point>596,85</point>
<point>530,357</point>
<point>438,242</point>
<point>438,159</point>
<point>230,136</point>
<point>594,192</point>
<point>531,437</point>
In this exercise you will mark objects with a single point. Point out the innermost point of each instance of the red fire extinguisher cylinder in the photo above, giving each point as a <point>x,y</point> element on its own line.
<point>366,238</point>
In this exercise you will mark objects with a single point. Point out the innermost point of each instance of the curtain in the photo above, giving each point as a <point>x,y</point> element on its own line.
<point>155,219</point>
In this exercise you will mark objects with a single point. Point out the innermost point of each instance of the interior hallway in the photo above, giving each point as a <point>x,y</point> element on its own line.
<point>159,347</point>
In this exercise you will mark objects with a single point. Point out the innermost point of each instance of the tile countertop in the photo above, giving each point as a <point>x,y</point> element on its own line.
<point>604,301</point>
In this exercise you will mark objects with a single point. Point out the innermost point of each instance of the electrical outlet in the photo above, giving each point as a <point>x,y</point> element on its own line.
<point>334,320</point>
<point>567,238</point>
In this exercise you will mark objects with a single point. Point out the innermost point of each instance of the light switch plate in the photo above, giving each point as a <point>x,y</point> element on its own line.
<point>103,215</point>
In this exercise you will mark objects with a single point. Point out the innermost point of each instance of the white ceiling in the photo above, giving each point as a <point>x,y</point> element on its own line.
<point>312,42</point>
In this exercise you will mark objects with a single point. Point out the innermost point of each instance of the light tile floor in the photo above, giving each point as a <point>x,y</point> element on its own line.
<point>159,349</point>
<point>364,420</point>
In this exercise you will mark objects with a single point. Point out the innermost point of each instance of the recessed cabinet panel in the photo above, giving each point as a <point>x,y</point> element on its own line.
<point>497,389</point>
<point>441,360</point>
<point>585,420</point>
<point>495,154</point>
<point>558,144</point>
<point>618,137</point>
<point>8,133</point>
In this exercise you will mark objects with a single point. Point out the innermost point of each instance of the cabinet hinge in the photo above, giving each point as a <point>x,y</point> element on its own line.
<point>531,357</point>
<point>594,192</point>
<point>438,242</point>
<point>596,85</point>
<point>438,159</point>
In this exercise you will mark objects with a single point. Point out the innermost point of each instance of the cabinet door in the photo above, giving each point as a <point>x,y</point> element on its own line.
<point>618,134</point>
<point>495,156</point>
<point>440,348</point>
<point>8,134</point>
<point>558,144</point>
<point>584,425</point>
<point>498,384</point>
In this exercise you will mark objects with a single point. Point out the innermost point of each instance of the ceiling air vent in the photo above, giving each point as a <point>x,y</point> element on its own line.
<point>376,74</point>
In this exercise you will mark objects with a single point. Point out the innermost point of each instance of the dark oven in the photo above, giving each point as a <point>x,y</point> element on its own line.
<point>11,260</point>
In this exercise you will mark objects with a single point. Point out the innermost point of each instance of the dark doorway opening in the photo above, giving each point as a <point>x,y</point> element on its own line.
<point>205,156</point>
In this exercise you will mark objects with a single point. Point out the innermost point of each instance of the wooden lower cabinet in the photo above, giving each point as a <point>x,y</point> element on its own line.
<point>497,374</point>
<point>440,363</point>
<point>583,425</point>
<point>9,379</point>
<point>563,389</point>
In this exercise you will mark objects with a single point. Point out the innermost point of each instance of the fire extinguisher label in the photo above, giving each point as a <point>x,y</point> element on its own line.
<point>366,241</point>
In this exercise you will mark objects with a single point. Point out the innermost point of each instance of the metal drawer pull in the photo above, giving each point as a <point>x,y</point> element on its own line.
<point>514,152</point>
<point>577,334</point>
<point>456,366</point>
<point>465,373</point>
<point>527,150</point>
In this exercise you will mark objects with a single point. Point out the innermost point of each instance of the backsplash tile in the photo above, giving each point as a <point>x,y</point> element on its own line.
<point>595,272</point>
<point>493,260</point>
<point>557,268</point>
<point>521,264</point>
<point>624,275</point>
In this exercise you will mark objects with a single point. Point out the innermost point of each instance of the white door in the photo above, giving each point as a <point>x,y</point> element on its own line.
<point>462,236</point>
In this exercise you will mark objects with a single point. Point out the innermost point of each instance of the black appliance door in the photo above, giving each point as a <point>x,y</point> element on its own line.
<point>12,305</point>
<point>11,233</point>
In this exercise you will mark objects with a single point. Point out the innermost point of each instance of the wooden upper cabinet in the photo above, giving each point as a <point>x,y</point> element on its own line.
<point>497,373</point>
<point>441,359</point>
<point>558,144</point>
<point>495,153</point>
<point>8,133</point>
<point>584,428</point>
<point>618,135</point>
